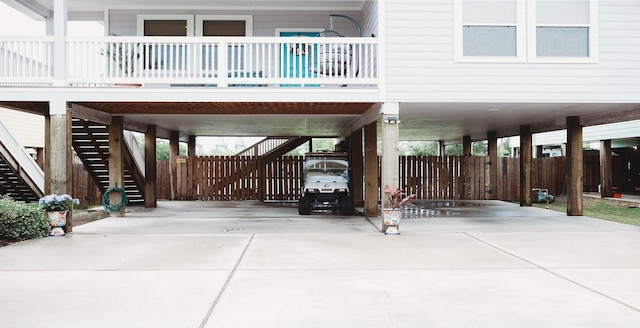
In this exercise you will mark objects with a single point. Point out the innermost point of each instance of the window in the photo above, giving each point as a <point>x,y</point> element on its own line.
<point>545,31</point>
<point>490,30</point>
<point>562,30</point>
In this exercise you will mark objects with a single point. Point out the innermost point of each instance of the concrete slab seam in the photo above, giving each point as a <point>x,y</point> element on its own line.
<point>226,283</point>
<point>556,274</point>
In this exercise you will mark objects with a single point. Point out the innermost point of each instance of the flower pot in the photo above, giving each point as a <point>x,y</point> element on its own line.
<point>57,220</point>
<point>391,219</point>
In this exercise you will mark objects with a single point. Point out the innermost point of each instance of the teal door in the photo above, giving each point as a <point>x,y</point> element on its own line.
<point>298,59</point>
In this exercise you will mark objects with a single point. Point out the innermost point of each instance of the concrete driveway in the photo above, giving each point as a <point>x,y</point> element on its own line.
<point>244,264</point>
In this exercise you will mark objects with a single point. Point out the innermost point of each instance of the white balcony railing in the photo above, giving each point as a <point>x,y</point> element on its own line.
<point>195,61</point>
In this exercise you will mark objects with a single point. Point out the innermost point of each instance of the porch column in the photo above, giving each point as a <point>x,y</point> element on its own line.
<point>441,150</point>
<point>116,161</point>
<point>59,47</point>
<point>58,154</point>
<point>371,170</point>
<point>390,150</point>
<point>356,167</point>
<point>174,152</point>
<point>150,162</point>
<point>492,141</point>
<point>574,166</point>
<point>526,164</point>
<point>466,145</point>
<point>191,146</point>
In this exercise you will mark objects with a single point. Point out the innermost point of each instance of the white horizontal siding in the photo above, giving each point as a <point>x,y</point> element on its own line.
<point>621,130</point>
<point>420,61</point>
<point>27,129</point>
<point>264,22</point>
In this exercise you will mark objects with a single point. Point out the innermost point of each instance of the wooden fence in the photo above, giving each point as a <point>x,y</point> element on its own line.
<point>429,177</point>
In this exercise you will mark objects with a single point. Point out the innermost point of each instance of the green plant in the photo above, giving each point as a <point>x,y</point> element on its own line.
<point>125,56</point>
<point>397,197</point>
<point>55,202</point>
<point>20,221</point>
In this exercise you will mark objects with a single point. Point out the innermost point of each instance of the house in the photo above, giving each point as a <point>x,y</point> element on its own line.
<point>359,70</point>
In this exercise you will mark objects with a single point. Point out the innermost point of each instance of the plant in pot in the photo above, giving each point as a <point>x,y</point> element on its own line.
<point>56,208</point>
<point>392,214</point>
<point>123,59</point>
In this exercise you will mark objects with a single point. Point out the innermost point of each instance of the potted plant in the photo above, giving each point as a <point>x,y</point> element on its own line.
<point>125,57</point>
<point>56,208</point>
<point>391,215</point>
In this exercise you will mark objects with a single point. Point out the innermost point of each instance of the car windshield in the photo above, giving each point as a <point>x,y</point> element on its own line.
<point>326,167</point>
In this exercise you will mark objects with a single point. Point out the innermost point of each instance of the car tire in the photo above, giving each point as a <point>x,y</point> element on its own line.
<point>304,205</point>
<point>346,206</point>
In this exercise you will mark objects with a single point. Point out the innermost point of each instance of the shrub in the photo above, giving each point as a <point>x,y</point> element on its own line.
<point>20,221</point>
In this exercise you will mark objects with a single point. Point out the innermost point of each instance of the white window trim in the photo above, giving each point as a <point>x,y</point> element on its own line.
<point>593,37</point>
<point>248,19</point>
<point>521,35</point>
<point>142,18</point>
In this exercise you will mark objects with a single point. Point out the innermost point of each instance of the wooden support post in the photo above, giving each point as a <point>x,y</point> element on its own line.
<point>526,164</point>
<point>371,170</point>
<point>116,161</point>
<point>357,174</point>
<point>191,146</point>
<point>58,155</point>
<point>466,145</point>
<point>574,166</point>
<point>150,178</point>
<point>606,171</point>
<point>174,152</point>
<point>492,141</point>
<point>441,148</point>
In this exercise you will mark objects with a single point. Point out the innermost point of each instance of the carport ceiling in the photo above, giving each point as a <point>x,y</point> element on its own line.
<point>450,121</point>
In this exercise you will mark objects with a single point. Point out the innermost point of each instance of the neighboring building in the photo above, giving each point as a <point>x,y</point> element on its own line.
<point>447,70</point>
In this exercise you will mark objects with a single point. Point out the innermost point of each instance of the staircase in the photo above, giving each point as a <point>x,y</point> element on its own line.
<point>267,145</point>
<point>91,143</point>
<point>20,177</point>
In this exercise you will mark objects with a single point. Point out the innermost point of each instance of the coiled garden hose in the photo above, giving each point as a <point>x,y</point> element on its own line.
<point>113,208</point>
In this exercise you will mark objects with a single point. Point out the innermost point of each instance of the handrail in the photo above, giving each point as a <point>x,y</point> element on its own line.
<point>23,159</point>
<point>196,61</point>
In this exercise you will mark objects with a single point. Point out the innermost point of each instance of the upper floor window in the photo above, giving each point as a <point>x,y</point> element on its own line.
<point>490,30</point>
<point>525,30</point>
<point>562,30</point>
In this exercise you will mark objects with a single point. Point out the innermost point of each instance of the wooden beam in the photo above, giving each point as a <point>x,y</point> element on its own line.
<point>606,172</point>
<point>526,164</point>
<point>174,152</point>
<point>466,145</point>
<point>492,141</point>
<point>371,170</point>
<point>150,179</point>
<point>191,145</point>
<point>357,173</point>
<point>574,166</point>
<point>116,162</point>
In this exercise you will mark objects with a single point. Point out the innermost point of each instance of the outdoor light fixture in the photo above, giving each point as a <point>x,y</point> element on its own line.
<point>392,120</point>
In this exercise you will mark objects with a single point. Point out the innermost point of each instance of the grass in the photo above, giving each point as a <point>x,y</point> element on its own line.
<point>605,209</point>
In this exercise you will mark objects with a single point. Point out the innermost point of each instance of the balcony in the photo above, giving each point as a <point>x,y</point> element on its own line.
<point>200,62</point>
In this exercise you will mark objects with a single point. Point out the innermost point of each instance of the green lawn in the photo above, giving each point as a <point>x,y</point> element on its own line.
<point>617,211</point>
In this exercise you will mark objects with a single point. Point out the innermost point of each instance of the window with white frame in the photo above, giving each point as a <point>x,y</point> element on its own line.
<point>562,30</point>
<point>525,30</point>
<point>489,30</point>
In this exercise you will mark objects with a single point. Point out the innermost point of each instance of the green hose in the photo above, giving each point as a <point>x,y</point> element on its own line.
<point>113,208</point>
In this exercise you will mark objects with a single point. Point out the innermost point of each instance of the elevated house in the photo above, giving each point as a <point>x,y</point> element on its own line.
<point>358,70</point>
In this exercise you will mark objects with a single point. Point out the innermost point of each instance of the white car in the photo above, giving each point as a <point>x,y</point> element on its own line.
<point>326,182</point>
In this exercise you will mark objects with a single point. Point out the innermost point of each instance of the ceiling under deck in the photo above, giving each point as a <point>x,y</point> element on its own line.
<point>419,121</point>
